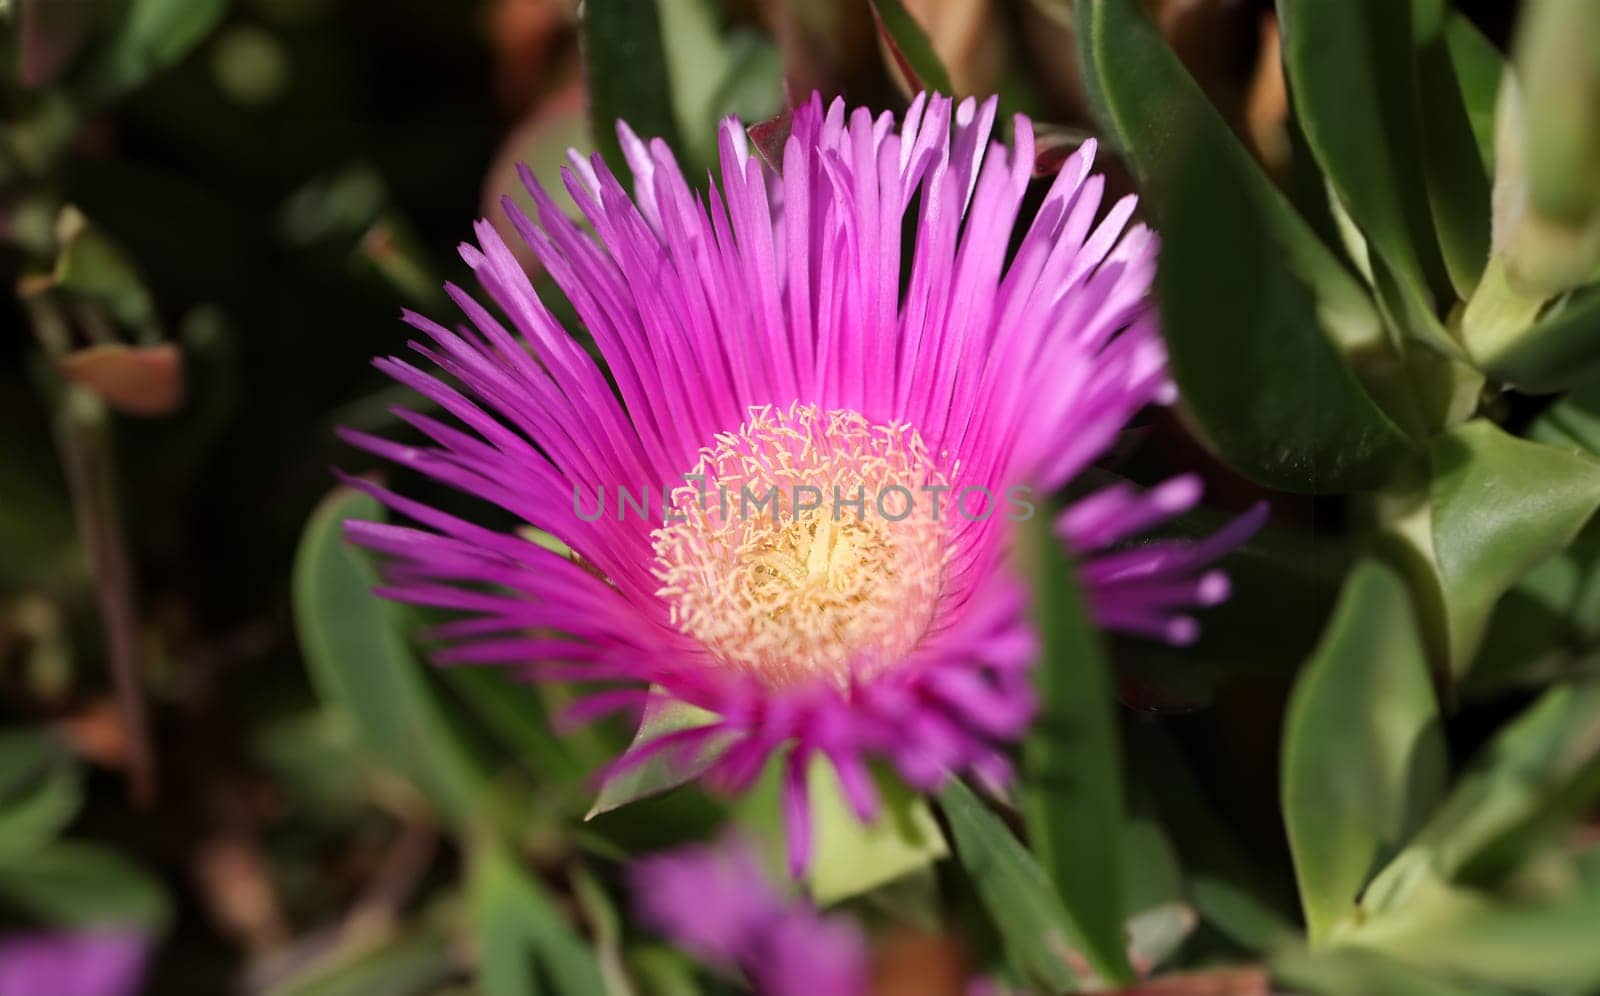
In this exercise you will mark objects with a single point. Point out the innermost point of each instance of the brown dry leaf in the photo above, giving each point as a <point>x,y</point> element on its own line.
<point>134,380</point>
<point>1250,981</point>
<point>96,734</point>
<point>524,35</point>
<point>914,963</point>
<point>968,36</point>
<point>1266,106</point>
<point>238,889</point>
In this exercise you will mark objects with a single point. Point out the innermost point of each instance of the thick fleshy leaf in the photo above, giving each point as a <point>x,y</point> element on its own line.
<point>1072,792</point>
<point>1539,939</point>
<point>1149,105</point>
<point>909,46</point>
<point>1538,774</point>
<point>1478,65</point>
<point>71,884</point>
<point>1499,506</point>
<point>716,73</point>
<point>1028,915</point>
<point>40,790</point>
<point>1558,63</point>
<point>1351,72</point>
<point>852,858</point>
<point>625,72</point>
<point>663,715</point>
<point>152,35</point>
<point>361,664</point>
<point>1363,756</point>
<point>527,947</point>
<point>1558,351</point>
<point>1245,339</point>
<point>1341,971</point>
<point>418,961</point>
<point>1542,628</point>
<point>1456,178</point>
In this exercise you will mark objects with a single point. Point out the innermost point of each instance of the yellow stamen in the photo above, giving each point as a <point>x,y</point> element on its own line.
<point>817,586</point>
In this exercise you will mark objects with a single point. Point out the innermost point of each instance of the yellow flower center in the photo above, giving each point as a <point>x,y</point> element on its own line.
<point>807,544</point>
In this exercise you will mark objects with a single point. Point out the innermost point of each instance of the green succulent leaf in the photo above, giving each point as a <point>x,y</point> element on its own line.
<point>153,35</point>
<point>73,884</point>
<point>1499,507</point>
<point>851,858</point>
<point>1015,891</point>
<point>1148,104</point>
<point>1558,62</point>
<point>663,716</point>
<point>1559,351</point>
<point>40,790</point>
<point>1363,755</point>
<point>1073,790</point>
<point>909,45</point>
<point>1352,74</point>
<point>1539,940</point>
<point>1539,773</point>
<point>1340,971</point>
<point>626,77</point>
<point>361,663</point>
<point>528,947</point>
<point>1247,346</point>
<point>417,961</point>
<point>1452,165</point>
<point>1478,67</point>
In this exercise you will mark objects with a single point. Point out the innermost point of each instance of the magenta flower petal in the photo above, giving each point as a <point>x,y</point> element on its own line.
<point>73,963</point>
<point>767,338</point>
<point>716,902</point>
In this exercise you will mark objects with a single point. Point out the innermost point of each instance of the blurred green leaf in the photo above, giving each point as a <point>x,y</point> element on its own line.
<point>1558,64</point>
<point>1542,628</point>
<point>335,207</point>
<point>1560,350</point>
<point>91,266</point>
<point>715,74</point>
<point>625,71</point>
<point>1029,917</point>
<point>1351,72</point>
<point>1297,573</point>
<point>1452,165</point>
<point>1363,756</point>
<point>663,715</point>
<point>412,964</point>
<point>515,713</point>
<point>1500,506</point>
<point>40,790</point>
<point>1072,793</point>
<point>1478,65</point>
<point>1538,773</point>
<point>72,884</point>
<point>360,662</point>
<point>152,35</point>
<point>851,858</point>
<point>1260,375</point>
<point>909,45</point>
<point>1342,971</point>
<point>528,948</point>
<point>1148,104</point>
<point>1540,940</point>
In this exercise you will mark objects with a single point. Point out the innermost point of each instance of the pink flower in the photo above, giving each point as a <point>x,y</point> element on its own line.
<point>717,903</point>
<point>897,412</point>
<point>108,962</point>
